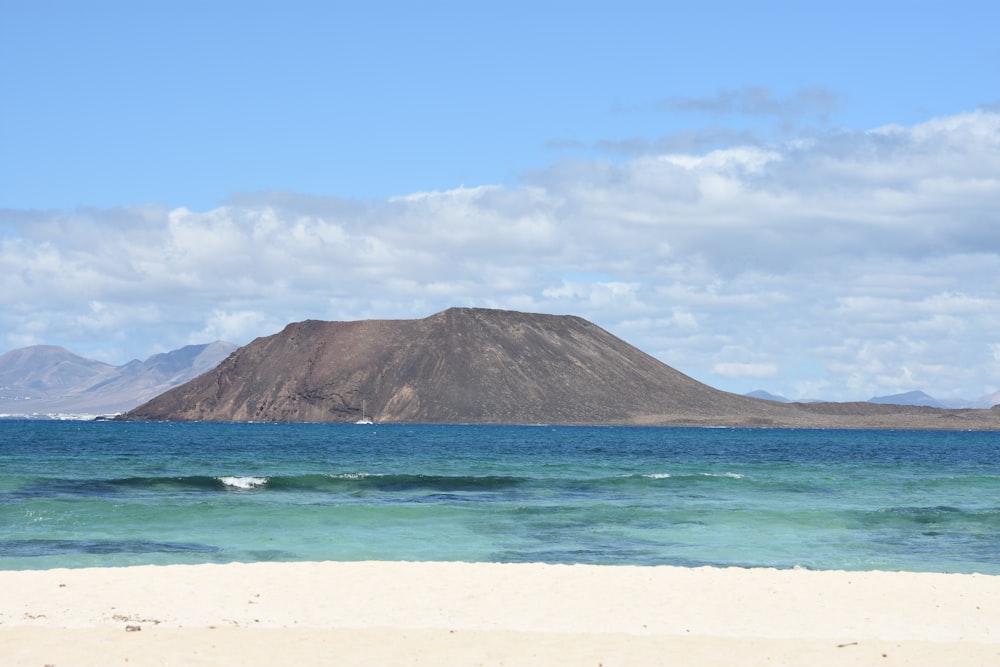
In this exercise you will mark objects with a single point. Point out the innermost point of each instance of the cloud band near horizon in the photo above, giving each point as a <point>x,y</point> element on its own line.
<point>843,266</point>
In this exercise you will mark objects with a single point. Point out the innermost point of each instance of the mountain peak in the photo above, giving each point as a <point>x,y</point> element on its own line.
<point>459,365</point>
<point>907,398</point>
<point>766,396</point>
<point>478,365</point>
<point>48,379</point>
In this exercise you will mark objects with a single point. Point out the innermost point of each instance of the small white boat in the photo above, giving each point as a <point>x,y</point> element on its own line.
<point>364,419</point>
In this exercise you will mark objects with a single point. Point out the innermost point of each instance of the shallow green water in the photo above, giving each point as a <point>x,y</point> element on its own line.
<point>78,494</point>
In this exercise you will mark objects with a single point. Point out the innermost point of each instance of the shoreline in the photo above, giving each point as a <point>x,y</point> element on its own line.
<point>400,612</point>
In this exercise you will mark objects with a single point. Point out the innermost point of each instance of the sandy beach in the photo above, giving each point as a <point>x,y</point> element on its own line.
<point>398,613</point>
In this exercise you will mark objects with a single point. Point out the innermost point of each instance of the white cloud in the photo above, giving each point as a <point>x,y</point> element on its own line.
<point>234,326</point>
<point>739,370</point>
<point>868,258</point>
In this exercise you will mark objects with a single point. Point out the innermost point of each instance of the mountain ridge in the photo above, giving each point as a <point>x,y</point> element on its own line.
<point>476,365</point>
<point>49,379</point>
<point>459,365</point>
<point>915,397</point>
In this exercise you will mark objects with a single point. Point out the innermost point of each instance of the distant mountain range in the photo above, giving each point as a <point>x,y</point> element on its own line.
<point>483,366</point>
<point>917,398</point>
<point>51,380</point>
<point>920,398</point>
<point>463,365</point>
<point>768,396</point>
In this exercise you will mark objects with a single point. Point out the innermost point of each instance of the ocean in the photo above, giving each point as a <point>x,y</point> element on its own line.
<point>82,494</point>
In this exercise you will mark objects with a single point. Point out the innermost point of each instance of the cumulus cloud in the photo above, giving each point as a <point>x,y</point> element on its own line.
<point>736,369</point>
<point>851,264</point>
<point>683,141</point>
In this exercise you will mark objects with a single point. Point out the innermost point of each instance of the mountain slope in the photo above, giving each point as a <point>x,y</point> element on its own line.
<point>908,398</point>
<point>45,379</point>
<point>460,365</point>
<point>471,365</point>
<point>767,396</point>
<point>47,370</point>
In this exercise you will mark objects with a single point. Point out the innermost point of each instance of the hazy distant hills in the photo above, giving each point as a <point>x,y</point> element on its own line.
<point>49,380</point>
<point>918,398</point>
<point>473,365</point>
<point>908,398</point>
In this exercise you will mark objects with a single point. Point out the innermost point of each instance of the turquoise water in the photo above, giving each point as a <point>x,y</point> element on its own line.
<point>76,494</point>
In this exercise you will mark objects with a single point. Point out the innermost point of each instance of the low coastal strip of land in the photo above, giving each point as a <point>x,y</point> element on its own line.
<point>408,613</point>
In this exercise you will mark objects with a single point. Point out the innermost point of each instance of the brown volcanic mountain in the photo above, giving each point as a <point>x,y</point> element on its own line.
<point>472,365</point>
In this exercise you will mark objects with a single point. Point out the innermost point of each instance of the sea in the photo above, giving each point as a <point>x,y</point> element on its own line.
<point>104,493</point>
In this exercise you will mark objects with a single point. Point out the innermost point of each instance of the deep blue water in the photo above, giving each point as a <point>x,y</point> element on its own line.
<point>76,494</point>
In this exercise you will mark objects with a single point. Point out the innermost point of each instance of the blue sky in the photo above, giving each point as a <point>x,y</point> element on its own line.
<point>792,196</point>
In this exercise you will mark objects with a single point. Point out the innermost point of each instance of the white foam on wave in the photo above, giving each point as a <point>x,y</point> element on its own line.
<point>243,483</point>
<point>354,475</point>
<point>667,475</point>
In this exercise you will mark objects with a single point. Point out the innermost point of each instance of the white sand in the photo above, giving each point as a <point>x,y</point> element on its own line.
<point>389,613</point>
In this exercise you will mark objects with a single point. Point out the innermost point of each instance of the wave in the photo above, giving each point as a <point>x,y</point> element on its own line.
<point>689,476</point>
<point>243,483</point>
<point>346,482</point>
<point>359,483</point>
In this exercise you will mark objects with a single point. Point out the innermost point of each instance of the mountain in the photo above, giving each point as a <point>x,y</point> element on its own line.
<point>921,398</point>
<point>46,379</point>
<point>990,400</point>
<point>908,398</point>
<point>460,365</point>
<point>474,365</point>
<point>987,401</point>
<point>767,396</point>
<point>47,370</point>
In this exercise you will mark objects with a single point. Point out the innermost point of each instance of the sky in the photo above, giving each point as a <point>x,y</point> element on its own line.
<point>796,197</point>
